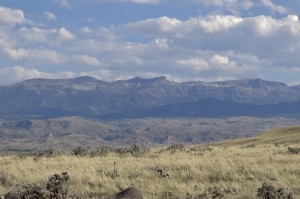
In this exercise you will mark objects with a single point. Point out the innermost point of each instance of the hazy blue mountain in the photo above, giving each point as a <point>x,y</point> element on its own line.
<point>35,113</point>
<point>217,108</point>
<point>296,88</point>
<point>89,97</point>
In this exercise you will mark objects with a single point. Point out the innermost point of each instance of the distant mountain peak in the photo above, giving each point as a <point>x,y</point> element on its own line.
<point>253,83</point>
<point>142,80</point>
<point>35,82</point>
<point>259,83</point>
<point>85,79</point>
<point>87,96</point>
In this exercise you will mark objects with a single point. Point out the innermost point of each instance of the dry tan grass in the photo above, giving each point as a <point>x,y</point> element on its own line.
<point>237,170</point>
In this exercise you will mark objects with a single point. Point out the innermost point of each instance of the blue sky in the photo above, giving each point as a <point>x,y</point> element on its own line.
<point>200,40</point>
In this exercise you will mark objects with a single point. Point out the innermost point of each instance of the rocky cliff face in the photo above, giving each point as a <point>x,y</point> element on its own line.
<point>87,96</point>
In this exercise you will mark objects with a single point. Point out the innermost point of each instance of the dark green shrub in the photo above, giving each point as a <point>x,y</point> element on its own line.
<point>294,150</point>
<point>29,191</point>
<point>138,150</point>
<point>175,147</point>
<point>215,192</point>
<point>168,195</point>
<point>80,151</point>
<point>3,178</point>
<point>58,186</point>
<point>270,190</point>
<point>101,151</point>
<point>48,153</point>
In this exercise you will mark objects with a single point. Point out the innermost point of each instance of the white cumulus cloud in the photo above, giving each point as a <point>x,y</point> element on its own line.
<point>276,8</point>
<point>200,47</point>
<point>216,23</point>
<point>85,60</point>
<point>49,16</point>
<point>64,34</point>
<point>145,1</point>
<point>132,1</point>
<point>49,36</point>
<point>49,57</point>
<point>10,17</point>
<point>10,75</point>
<point>233,6</point>
<point>35,55</point>
<point>86,30</point>
<point>195,64</point>
<point>220,60</point>
<point>63,3</point>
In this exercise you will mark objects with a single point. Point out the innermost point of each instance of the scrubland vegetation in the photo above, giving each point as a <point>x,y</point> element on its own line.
<point>229,169</point>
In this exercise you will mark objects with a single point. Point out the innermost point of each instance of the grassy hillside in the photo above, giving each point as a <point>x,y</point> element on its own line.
<point>280,136</point>
<point>232,169</point>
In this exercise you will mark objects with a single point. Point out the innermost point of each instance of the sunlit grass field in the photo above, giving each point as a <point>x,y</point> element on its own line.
<point>232,169</point>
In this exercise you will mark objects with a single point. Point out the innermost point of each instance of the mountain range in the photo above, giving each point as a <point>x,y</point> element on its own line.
<point>64,113</point>
<point>140,98</point>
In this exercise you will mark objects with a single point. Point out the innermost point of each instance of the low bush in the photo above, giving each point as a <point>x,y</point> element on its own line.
<point>80,151</point>
<point>28,191</point>
<point>138,150</point>
<point>294,150</point>
<point>270,190</point>
<point>3,178</point>
<point>57,188</point>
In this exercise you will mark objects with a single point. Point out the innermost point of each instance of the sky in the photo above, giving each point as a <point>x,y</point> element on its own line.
<point>184,40</point>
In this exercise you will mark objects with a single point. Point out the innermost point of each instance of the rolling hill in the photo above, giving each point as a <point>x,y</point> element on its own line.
<point>70,132</point>
<point>279,136</point>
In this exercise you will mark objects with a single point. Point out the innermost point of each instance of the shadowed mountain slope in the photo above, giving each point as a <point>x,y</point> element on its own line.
<point>219,108</point>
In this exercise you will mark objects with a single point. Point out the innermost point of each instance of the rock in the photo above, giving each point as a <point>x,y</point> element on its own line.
<point>130,193</point>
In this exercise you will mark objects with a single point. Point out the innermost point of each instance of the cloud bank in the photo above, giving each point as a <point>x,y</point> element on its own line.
<point>207,48</point>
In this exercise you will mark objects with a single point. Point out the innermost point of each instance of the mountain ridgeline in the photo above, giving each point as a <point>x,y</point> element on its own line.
<point>139,98</point>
